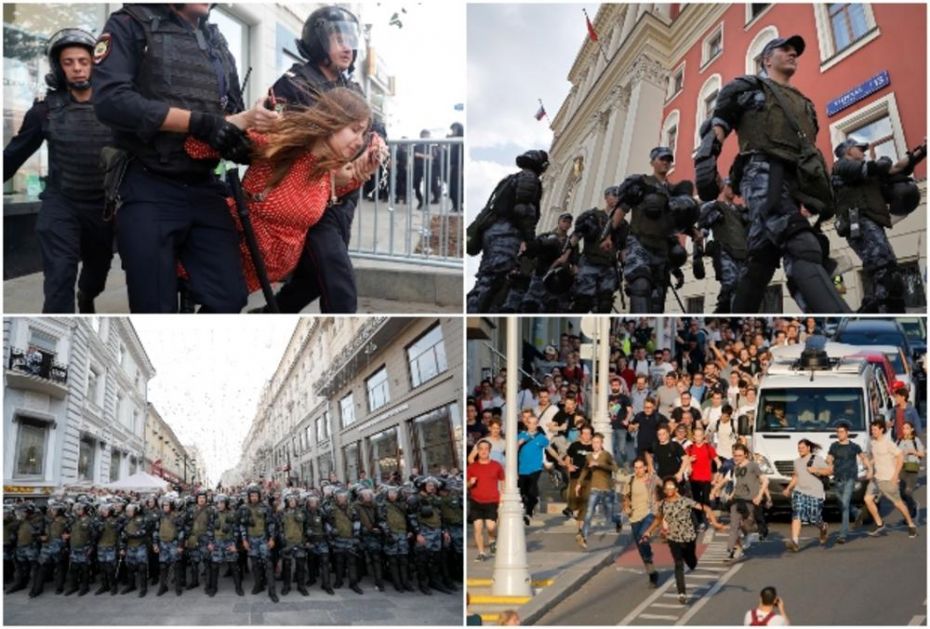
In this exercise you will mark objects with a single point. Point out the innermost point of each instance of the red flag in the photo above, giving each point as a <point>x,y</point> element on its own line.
<point>540,113</point>
<point>591,32</point>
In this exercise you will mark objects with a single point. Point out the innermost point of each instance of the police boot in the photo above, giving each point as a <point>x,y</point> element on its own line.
<point>178,578</point>
<point>394,568</point>
<point>258,575</point>
<point>422,566</point>
<point>405,576</point>
<point>286,574</point>
<point>339,561</point>
<point>130,574</point>
<point>38,580</point>
<point>816,287</point>
<point>377,573</point>
<point>325,576</point>
<point>85,303</point>
<point>214,570</point>
<point>114,586</point>
<point>195,575</point>
<point>143,580</point>
<point>23,572</point>
<point>446,571</point>
<point>9,569</point>
<point>162,581</point>
<point>639,290</point>
<point>353,574</point>
<point>84,576</point>
<point>154,570</point>
<point>104,580</point>
<point>301,575</point>
<point>237,578</point>
<point>73,580</point>
<point>60,574</point>
<point>435,572</point>
<point>271,585</point>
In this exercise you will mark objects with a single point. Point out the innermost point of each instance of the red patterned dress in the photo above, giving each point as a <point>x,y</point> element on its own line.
<point>282,215</point>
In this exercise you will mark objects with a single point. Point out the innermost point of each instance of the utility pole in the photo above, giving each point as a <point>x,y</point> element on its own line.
<point>602,417</point>
<point>511,573</point>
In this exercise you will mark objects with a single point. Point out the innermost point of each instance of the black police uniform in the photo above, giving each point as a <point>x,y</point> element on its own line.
<point>70,227</point>
<point>324,271</point>
<point>174,208</point>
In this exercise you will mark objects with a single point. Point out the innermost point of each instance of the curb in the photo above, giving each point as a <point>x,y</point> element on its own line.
<point>569,581</point>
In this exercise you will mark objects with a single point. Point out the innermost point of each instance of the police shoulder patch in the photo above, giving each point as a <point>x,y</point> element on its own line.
<point>102,48</point>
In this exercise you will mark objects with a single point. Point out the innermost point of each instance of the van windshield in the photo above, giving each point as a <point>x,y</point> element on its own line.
<point>810,410</point>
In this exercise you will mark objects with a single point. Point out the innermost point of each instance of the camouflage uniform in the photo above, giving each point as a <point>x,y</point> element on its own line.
<point>397,531</point>
<point>453,551</point>
<point>257,525</point>
<point>10,525</point>
<point>223,536</point>
<point>318,557</point>
<point>728,223</point>
<point>596,280</point>
<point>344,526</point>
<point>428,552</point>
<point>168,536</point>
<point>107,532</point>
<point>29,530</point>
<point>53,560</point>
<point>133,546</point>
<point>371,540</point>
<point>196,539</point>
<point>82,545</point>
<point>293,535</point>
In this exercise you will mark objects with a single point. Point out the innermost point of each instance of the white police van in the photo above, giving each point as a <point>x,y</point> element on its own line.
<point>806,393</point>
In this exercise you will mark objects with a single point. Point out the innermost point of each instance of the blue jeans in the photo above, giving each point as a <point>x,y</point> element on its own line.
<point>604,497</point>
<point>644,548</point>
<point>844,491</point>
<point>622,449</point>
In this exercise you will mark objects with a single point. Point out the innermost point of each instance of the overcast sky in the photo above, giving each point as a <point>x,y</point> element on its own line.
<point>427,57</point>
<point>517,54</point>
<point>210,374</point>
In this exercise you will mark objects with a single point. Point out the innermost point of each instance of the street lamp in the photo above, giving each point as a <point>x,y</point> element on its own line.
<point>511,574</point>
<point>601,416</point>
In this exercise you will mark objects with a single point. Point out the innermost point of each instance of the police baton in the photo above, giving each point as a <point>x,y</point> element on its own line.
<point>677,298</point>
<point>242,209</point>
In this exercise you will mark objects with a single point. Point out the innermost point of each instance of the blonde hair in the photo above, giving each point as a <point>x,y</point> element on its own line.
<point>298,129</point>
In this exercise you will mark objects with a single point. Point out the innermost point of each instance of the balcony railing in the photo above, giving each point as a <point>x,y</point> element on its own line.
<point>39,364</point>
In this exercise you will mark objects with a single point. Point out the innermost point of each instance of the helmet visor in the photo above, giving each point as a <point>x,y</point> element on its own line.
<point>341,33</point>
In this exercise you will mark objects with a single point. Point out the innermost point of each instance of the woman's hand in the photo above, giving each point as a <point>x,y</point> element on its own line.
<point>258,118</point>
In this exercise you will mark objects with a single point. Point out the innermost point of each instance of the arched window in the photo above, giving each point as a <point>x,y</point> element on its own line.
<point>670,131</point>
<point>754,52</point>
<point>707,98</point>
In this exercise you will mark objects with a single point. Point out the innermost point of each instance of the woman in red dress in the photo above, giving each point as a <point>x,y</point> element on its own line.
<point>307,160</point>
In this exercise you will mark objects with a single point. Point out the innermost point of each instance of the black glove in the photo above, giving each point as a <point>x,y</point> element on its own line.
<point>232,143</point>
<point>705,167</point>
<point>697,263</point>
<point>878,168</point>
<point>679,276</point>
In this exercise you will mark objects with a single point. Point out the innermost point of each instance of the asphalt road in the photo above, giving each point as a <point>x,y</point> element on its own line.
<point>868,581</point>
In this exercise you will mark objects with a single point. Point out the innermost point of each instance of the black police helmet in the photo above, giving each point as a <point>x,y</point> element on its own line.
<point>559,280</point>
<point>56,43</point>
<point>548,245</point>
<point>313,44</point>
<point>677,256</point>
<point>457,129</point>
<point>536,160</point>
<point>902,196</point>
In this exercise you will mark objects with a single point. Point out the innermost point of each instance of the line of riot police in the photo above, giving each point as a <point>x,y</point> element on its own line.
<point>410,535</point>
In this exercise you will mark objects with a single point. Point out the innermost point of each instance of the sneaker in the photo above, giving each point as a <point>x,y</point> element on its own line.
<point>526,520</point>
<point>912,531</point>
<point>878,530</point>
<point>792,546</point>
<point>731,556</point>
<point>581,540</point>
<point>481,557</point>
<point>823,534</point>
<point>860,518</point>
<point>619,527</point>
<point>682,598</point>
<point>841,539</point>
<point>567,513</point>
<point>493,548</point>
<point>653,580</point>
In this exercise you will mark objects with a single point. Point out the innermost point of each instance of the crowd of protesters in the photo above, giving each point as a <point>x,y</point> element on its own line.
<point>675,450</point>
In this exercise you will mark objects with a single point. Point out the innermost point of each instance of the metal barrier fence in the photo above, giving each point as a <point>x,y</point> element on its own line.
<point>411,211</point>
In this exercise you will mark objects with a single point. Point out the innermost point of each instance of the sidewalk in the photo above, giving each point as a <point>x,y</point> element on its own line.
<point>558,566</point>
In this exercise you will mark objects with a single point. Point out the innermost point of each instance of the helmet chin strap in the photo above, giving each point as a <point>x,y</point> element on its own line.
<point>83,85</point>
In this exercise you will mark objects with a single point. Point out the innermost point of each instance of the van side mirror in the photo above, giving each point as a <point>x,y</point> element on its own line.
<point>743,425</point>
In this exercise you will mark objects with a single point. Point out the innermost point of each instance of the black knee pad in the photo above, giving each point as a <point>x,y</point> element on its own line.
<point>582,303</point>
<point>605,303</point>
<point>894,282</point>
<point>805,246</point>
<point>639,286</point>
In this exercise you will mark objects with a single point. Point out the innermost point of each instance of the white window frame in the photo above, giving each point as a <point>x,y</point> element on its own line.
<point>415,360</point>
<point>347,418</point>
<point>756,45</point>
<point>46,447</point>
<point>713,82</point>
<point>673,119</point>
<point>86,438</point>
<point>94,396</point>
<point>706,59</point>
<point>382,385</point>
<point>669,96</point>
<point>828,54</point>
<point>750,20</point>
<point>885,106</point>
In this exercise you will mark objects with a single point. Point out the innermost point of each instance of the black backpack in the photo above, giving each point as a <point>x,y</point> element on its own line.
<point>487,216</point>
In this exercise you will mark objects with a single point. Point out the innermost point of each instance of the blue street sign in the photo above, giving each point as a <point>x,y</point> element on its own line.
<point>859,92</point>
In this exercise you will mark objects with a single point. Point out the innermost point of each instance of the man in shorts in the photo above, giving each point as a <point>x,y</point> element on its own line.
<point>887,461</point>
<point>484,479</point>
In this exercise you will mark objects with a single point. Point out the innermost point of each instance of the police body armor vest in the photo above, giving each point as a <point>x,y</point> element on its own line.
<point>177,69</point>
<point>315,524</point>
<point>432,518</point>
<point>167,530</point>
<point>731,232</point>
<point>257,521</point>
<point>80,532</point>
<point>134,526</point>
<point>75,139</point>
<point>596,219</point>
<point>865,195</point>
<point>293,526</point>
<point>24,533</point>
<point>10,527</point>
<point>452,510</point>
<point>366,514</point>
<point>768,130</point>
<point>653,232</point>
<point>223,526</point>
<point>396,517</point>
<point>342,522</point>
<point>57,527</point>
<point>108,534</point>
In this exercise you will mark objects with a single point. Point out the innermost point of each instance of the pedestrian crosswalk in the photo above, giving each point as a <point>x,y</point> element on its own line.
<point>712,573</point>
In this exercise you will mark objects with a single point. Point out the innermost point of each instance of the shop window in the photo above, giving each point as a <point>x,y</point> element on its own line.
<point>30,449</point>
<point>325,463</point>
<point>385,454</point>
<point>378,394</point>
<point>427,357</point>
<point>352,463</point>
<point>86,458</point>
<point>438,439</point>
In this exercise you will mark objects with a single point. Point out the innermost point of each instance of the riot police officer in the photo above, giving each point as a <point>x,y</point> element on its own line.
<point>329,43</point>
<point>257,528</point>
<point>662,215</point>
<point>728,222</point>
<point>781,176</point>
<point>163,72</point>
<point>862,216</point>
<point>318,544</point>
<point>370,534</point>
<point>71,227</point>
<point>168,538</point>
<point>293,535</point>
<point>134,549</point>
<point>345,528</point>
<point>30,527</point>
<point>81,538</point>
<point>547,249</point>
<point>107,527</point>
<point>52,555</point>
<point>504,228</point>
<point>430,535</point>
<point>198,537</point>
<point>395,523</point>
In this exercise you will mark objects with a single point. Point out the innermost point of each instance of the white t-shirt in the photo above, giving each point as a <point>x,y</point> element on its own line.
<point>545,417</point>
<point>884,452</point>
<point>776,620</point>
<point>725,438</point>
